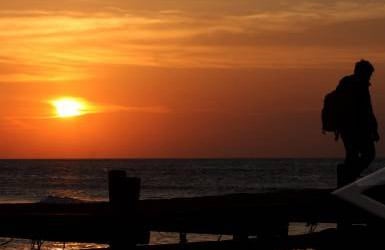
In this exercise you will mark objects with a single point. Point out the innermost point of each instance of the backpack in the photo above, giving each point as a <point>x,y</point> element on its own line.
<point>329,113</point>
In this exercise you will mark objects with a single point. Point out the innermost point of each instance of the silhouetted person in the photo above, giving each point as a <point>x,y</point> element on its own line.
<point>357,124</point>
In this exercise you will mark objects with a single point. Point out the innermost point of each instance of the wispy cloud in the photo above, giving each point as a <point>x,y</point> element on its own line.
<point>61,45</point>
<point>45,110</point>
<point>89,107</point>
<point>131,109</point>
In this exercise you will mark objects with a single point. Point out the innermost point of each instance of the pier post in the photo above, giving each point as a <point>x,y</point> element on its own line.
<point>124,195</point>
<point>240,237</point>
<point>182,238</point>
<point>124,191</point>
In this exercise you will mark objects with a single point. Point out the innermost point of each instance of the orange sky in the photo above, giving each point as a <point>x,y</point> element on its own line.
<point>220,78</point>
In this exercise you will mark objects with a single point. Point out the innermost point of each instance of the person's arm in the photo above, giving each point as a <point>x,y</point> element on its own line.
<point>374,126</point>
<point>373,122</point>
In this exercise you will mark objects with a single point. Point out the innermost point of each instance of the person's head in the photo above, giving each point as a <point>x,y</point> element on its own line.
<point>363,70</point>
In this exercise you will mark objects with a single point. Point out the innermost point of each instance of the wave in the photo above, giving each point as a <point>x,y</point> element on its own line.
<point>50,199</point>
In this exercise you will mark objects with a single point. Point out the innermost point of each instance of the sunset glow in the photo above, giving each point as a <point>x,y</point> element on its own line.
<point>68,107</point>
<point>183,78</point>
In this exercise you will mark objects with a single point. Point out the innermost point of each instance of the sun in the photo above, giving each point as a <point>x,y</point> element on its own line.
<point>69,107</point>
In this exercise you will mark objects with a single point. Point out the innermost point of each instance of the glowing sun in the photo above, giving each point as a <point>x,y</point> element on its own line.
<point>69,107</point>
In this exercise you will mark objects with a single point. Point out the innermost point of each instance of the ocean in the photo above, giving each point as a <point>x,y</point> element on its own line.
<point>35,180</point>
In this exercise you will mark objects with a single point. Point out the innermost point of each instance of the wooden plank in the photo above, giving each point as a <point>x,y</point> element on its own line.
<point>249,214</point>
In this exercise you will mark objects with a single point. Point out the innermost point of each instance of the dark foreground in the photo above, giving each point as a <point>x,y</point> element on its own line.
<point>125,221</point>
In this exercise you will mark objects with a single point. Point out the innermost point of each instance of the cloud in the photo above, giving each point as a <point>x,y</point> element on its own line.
<point>62,45</point>
<point>89,107</point>
<point>21,116</point>
<point>95,108</point>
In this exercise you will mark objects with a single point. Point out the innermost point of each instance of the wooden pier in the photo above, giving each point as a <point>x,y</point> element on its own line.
<point>125,221</point>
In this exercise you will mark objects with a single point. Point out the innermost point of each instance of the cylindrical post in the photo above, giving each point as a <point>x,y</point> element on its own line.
<point>124,196</point>
<point>240,237</point>
<point>182,238</point>
<point>123,191</point>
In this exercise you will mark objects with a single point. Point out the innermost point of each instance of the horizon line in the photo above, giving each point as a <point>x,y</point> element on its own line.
<point>180,158</point>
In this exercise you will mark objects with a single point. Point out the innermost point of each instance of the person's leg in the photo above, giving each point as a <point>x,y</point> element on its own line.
<point>346,174</point>
<point>367,154</point>
<point>340,175</point>
<point>349,169</point>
